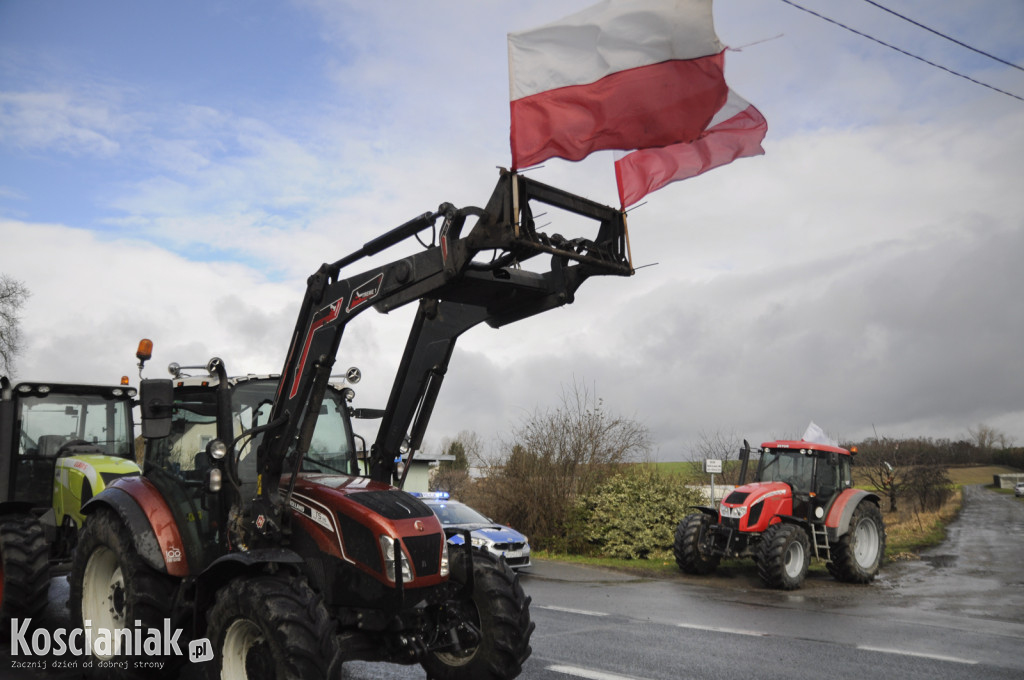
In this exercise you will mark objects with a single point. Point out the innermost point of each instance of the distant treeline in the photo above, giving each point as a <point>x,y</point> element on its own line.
<point>925,451</point>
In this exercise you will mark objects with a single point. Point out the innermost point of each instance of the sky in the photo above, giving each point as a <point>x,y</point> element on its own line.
<point>176,170</point>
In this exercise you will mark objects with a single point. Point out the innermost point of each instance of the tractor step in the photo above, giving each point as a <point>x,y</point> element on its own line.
<point>819,534</point>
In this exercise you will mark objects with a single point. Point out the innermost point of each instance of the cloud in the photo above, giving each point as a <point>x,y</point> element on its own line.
<point>57,120</point>
<point>860,273</point>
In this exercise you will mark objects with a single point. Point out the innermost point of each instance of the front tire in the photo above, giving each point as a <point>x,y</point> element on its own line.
<point>857,555</point>
<point>113,588</point>
<point>24,568</point>
<point>690,557</point>
<point>784,556</point>
<point>265,626</point>
<point>500,610</point>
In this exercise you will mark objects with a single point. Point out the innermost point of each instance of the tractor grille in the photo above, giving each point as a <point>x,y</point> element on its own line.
<point>359,542</point>
<point>731,523</point>
<point>425,552</point>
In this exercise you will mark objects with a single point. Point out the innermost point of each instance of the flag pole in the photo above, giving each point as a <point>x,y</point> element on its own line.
<point>515,203</point>
<point>629,248</point>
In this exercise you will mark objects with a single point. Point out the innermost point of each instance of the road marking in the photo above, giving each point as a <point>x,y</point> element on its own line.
<point>903,652</point>
<point>590,674</point>
<point>717,629</point>
<point>567,610</point>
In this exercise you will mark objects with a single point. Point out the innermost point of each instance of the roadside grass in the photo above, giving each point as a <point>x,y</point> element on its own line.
<point>908,531</point>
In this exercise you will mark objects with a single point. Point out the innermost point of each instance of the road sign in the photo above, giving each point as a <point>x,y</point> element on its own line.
<point>713,466</point>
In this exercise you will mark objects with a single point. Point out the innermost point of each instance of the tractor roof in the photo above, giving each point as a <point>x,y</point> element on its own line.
<point>43,388</point>
<point>803,446</point>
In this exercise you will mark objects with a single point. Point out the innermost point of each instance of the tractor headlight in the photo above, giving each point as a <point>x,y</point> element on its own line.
<point>214,480</point>
<point>387,546</point>
<point>217,449</point>
<point>733,513</point>
<point>444,558</point>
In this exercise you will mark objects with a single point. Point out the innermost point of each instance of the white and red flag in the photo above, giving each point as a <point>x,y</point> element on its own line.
<point>623,74</point>
<point>736,131</point>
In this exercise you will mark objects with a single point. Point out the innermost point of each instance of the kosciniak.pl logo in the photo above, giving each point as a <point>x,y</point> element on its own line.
<point>136,647</point>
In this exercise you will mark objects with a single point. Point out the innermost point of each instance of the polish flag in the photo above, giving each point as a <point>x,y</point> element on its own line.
<point>622,74</point>
<point>736,131</point>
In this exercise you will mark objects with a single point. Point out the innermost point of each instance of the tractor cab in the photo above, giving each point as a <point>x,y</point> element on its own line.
<point>61,444</point>
<point>815,474</point>
<point>186,465</point>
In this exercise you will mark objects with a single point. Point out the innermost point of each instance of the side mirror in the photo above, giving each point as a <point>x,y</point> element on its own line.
<point>156,401</point>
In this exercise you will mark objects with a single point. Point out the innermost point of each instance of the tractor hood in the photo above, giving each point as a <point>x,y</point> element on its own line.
<point>352,517</point>
<point>753,505</point>
<point>745,496</point>
<point>378,506</point>
<point>748,494</point>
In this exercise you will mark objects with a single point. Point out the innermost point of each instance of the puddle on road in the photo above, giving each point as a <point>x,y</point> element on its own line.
<point>940,561</point>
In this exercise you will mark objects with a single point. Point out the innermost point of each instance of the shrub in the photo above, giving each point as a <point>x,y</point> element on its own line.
<point>633,514</point>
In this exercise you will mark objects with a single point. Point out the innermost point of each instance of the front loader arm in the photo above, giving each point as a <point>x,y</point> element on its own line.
<point>454,290</point>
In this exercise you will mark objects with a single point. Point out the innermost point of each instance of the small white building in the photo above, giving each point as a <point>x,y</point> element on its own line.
<point>423,467</point>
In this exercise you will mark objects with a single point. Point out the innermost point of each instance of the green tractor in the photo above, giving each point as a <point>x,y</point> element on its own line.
<point>60,445</point>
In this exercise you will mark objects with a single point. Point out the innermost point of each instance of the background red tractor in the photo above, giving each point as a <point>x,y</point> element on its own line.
<point>801,505</point>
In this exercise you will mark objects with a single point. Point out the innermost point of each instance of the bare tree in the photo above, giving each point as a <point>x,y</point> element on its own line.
<point>886,467</point>
<point>554,458</point>
<point>13,294</point>
<point>987,438</point>
<point>719,446</point>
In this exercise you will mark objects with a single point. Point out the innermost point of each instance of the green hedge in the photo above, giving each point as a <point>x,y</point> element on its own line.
<point>633,514</point>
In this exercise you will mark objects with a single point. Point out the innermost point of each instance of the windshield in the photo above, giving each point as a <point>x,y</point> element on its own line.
<point>457,513</point>
<point>49,422</point>
<point>329,449</point>
<point>194,425</point>
<point>791,467</point>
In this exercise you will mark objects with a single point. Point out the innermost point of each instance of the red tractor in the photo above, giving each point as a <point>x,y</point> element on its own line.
<point>260,526</point>
<point>801,505</point>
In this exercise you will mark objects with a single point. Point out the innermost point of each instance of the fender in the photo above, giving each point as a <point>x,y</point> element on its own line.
<point>841,512</point>
<point>227,567</point>
<point>710,512</point>
<point>144,511</point>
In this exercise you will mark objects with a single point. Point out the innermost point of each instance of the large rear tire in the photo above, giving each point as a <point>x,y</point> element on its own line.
<point>264,626</point>
<point>784,556</point>
<point>500,610</point>
<point>858,554</point>
<point>24,569</point>
<point>113,588</point>
<point>690,556</point>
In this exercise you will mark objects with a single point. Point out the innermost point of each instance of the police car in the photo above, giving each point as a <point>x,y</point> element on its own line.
<point>499,540</point>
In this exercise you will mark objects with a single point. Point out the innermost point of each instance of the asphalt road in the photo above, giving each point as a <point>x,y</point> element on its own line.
<point>956,613</point>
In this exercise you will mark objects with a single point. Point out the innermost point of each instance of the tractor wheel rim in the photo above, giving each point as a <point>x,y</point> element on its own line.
<point>794,560</point>
<point>103,595</point>
<point>865,543</point>
<point>239,640</point>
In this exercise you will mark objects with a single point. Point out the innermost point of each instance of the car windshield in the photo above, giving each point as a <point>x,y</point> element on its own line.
<point>457,513</point>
